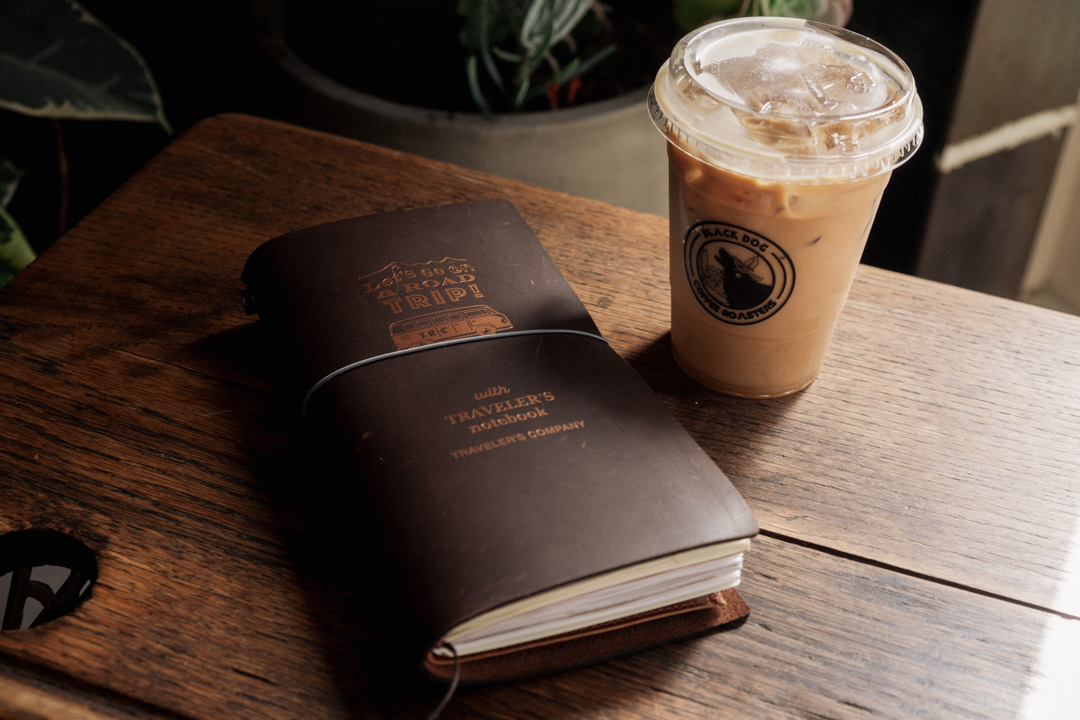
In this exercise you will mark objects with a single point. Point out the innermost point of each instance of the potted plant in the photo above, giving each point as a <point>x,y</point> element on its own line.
<point>550,92</point>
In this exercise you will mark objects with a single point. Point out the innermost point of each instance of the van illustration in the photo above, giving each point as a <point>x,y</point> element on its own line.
<point>443,325</point>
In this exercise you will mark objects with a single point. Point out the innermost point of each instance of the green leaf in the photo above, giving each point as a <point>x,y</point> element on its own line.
<point>507,56</point>
<point>15,252</point>
<point>596,59</point>
<point>521,93</point>
<point>474,85</point>
<point>58,61</point>
<point>547,22</point>
<point>485,51</point>
<point>569,15</point>
<point>529,31</point>
<point>471,11</point>
<point>557,79</point>
<point>486,23</point>
<point>536,36</point>
<point>10,175</point>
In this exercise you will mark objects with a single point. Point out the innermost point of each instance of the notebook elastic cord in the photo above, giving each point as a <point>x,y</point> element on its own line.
<point>453,683</point>
<point>435,346</point>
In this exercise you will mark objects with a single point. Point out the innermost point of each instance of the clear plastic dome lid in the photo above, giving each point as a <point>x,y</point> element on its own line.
<point>788,99</point>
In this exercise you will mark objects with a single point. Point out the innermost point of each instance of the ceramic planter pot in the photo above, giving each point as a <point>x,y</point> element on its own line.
<point>606,150</point>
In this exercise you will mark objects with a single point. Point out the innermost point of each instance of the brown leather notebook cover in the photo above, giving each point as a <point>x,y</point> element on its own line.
<point>506,448</point>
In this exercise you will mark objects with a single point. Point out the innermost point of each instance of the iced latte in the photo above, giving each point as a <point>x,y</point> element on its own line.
<point>782,136</point>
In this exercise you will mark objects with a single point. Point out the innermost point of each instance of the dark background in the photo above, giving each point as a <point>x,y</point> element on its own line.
<point>206,59</point>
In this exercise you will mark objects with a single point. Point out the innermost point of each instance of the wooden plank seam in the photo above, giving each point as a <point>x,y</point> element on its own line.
<point>911,573</point>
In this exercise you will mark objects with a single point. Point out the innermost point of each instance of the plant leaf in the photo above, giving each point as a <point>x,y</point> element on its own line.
<point>486,20</point>
<point>485,23</point>
<point>15,251</point>
<point>10,175</point>
<point>596,58</point>
<point>521,94</point>
<point>537,35</point>
<point>474,85</point>
<point>537,26</point>
<point>569,15</point>
<point>558,78</point>
<point>58,61</point>
<point>507,56</point>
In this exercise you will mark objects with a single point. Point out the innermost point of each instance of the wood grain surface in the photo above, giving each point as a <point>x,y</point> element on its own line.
<point>920,502</point>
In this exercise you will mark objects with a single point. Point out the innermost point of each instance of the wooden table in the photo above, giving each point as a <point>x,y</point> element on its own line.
<point>919,504</point>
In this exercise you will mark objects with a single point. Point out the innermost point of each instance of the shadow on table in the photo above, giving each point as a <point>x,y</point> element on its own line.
<point>727,428</point>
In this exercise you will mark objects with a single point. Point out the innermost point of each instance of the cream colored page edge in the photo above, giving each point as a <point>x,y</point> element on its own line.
<point>600,582</point>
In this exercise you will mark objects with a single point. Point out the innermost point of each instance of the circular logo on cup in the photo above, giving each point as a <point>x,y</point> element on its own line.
<point>737,275</point>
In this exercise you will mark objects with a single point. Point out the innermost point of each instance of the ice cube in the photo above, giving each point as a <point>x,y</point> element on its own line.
<point>808,79</point>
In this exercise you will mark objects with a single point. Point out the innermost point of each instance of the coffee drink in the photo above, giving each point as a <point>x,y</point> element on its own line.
<point>782,137</point>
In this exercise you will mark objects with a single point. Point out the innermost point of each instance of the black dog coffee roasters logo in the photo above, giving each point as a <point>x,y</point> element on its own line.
<point>737,275</point>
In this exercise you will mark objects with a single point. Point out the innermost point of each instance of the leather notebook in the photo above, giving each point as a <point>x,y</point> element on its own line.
<point>544,507</point>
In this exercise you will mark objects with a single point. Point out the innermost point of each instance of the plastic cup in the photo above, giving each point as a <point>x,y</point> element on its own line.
<point>782,135</point>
